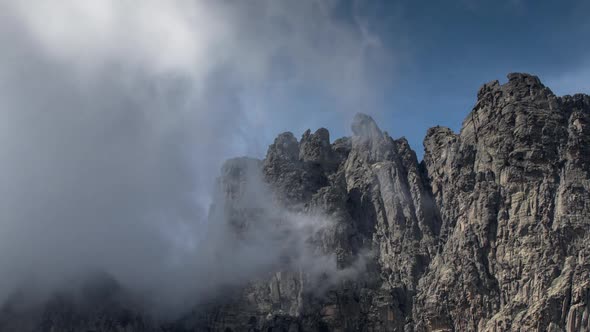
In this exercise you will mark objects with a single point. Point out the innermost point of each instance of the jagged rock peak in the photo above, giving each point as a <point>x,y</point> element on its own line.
<point>528,79</point>
<point>316,147</point>
<point>364,126</point>
<point>577,101</point>
<point>520,87</point>
<point>284,147</point>
<point>439,130</point>
<point>321,134</point>
<point>517,162</point>
<point>490,232</point>
<point>342,147</point>
<point>436,138</point>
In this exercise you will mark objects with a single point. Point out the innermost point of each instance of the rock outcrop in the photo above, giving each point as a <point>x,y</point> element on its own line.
<point>512,191</point>
<point>490,232</point>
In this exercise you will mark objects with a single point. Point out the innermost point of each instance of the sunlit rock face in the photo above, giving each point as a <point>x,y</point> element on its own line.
<point>512,191</point>
<point>490,232</point>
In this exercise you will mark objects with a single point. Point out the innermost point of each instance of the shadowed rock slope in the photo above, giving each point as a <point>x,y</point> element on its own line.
<point>490,232</point>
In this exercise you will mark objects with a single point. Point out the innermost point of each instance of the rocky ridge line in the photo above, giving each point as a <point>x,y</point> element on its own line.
<point>490,232</point>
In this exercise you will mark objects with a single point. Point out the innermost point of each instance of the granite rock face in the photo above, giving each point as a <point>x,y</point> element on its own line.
<point>512,191</point>
<point>490,232</point>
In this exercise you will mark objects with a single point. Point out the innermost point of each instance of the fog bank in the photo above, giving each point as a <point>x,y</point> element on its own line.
<point>115,118</point>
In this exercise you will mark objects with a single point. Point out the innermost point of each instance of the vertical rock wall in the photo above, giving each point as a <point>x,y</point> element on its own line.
<point>490,232</point>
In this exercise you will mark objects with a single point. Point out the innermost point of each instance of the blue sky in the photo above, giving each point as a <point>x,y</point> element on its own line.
<point>443,51</point>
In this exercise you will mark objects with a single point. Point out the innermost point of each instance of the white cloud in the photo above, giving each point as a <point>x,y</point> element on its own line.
<point>154,35</point>
<point>116,115</point>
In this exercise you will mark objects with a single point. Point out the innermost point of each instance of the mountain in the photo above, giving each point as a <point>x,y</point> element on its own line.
<point>490,232</point>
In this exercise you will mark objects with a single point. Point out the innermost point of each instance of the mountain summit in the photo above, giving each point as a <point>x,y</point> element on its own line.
<point>490,232</point>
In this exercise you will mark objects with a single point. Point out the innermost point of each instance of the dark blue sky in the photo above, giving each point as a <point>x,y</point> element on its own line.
<point>443,51</point>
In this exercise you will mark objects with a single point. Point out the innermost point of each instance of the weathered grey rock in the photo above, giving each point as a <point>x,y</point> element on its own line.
<point>490,232</point>
<point>512,190</point>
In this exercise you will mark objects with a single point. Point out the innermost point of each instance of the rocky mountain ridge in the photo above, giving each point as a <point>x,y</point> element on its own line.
<point>490,232</point>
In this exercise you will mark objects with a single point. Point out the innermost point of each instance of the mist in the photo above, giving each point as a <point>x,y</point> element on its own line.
<point>116,117</point>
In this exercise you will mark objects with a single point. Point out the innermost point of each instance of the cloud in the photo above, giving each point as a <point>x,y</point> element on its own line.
<point>153,35</point>
<point>265,43</point>
<point>115,117</point>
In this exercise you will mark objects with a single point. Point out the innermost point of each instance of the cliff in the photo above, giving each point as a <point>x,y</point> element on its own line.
<point>490,232</point>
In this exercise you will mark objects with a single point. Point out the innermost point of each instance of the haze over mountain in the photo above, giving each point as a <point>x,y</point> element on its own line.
<point>489,233</point>
<point>120,211</point>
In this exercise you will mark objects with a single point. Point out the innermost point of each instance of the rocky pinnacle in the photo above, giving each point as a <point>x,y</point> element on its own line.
<point>489,232</point>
